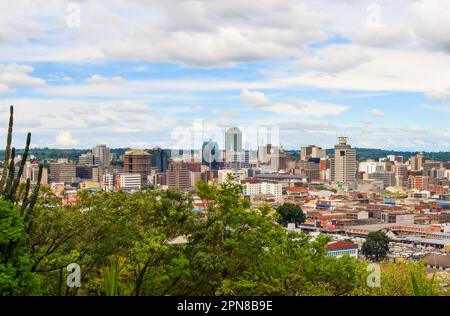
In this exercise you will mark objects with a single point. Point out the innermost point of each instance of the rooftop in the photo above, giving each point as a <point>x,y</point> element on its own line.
<point>341,245</point>
<point>137,152</point>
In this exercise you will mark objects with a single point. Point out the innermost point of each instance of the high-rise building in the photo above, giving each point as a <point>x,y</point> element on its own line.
<point>89,159</point>
<point>84,172</point>
<point>159,159</point>
<point>104,155</point>
<point>62,172</point>
<point>178,176</point>
<point>311,168</point>
<point>343,162</point>
<point>282,159</point>
<point>233,140</point>
<point>137,161</point>
<point>312,151</point>
<point>428,166</point>
<point>418,182</point>
<point>211,155</point>
<point>237,159</point>
<point>269,158</point>
<point>401,175</point>
<point>417,162</point>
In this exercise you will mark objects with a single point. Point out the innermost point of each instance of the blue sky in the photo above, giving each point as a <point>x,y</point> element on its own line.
<point>161,73</point>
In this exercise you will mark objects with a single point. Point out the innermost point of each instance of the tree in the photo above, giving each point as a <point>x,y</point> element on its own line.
<point>16,277</point>
<point>376,246</point>
<point>290,213</point>
<point>16,218</point>
<point>241,250</point>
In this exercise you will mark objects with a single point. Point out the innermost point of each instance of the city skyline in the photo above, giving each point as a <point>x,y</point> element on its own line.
<point>309,69</point>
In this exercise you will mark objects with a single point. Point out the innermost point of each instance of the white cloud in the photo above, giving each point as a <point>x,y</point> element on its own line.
<point>297,107</point>
<point>335,58</point>
<point>66,139</point>
<point>389,69</point>
<point>255,98</point>
<point>14,75</point>
<point>439,95</point>
<point>129,107</point>
<point>377,113</point>
<point>223,32</point>
<point>429,20</point>
<point>381,35</point>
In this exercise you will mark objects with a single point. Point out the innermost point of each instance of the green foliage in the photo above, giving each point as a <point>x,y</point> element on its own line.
<point>111,281</point>
<point>290,213</point>
<point>16,277</point>
<point>376,246</point>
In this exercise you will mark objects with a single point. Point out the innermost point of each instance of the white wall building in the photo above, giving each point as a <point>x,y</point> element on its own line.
<point>130,182</point>
<point>370,167</point>
<point>108,182</point>
<point>264,188</point>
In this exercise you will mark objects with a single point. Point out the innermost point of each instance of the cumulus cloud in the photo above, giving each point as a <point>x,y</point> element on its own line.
<point>223,32</point>
<point>335,58</point>
<point>381,35</point>
<point>439,95</point>
<point>296,107</point>
<point>129,107</point>
<point>255,98</point>
<point>377,113</point>
<point>429,20</point>
<point>66,139</point>
<point>14,75</point>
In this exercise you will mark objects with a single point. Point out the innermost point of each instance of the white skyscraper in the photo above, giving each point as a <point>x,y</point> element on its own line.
<point>233,140</point>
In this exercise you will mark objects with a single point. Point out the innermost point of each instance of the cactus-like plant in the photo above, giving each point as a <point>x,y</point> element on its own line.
<point>8,148</point>
<point>9,181</point>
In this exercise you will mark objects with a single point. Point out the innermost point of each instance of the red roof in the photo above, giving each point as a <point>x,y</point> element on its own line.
<point>341,245</point>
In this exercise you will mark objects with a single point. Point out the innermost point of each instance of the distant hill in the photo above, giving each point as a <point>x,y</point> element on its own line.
<point>368,153</point>
<point>52,153</point>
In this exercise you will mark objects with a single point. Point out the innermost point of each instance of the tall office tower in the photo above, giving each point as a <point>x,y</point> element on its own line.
<point>417,162</point>
<point>312,169</point>
<point>104,155</point>
<point>62,172</point>
<point>88,159</point>
<point>282,159</point>
<point>269,158</point>
<point>84,172</point>
<point>233,140</point>
<point>401,175</point>
<point>235,157</point>
<point>312,151</point>
<point>159,159</point>
<point>178,176</point>
<point>137,161</point>
<point>31,171</point>
<point>428,166</point>
<point>237,160</point>
<point>343,163</point>
<point>211,155</point>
